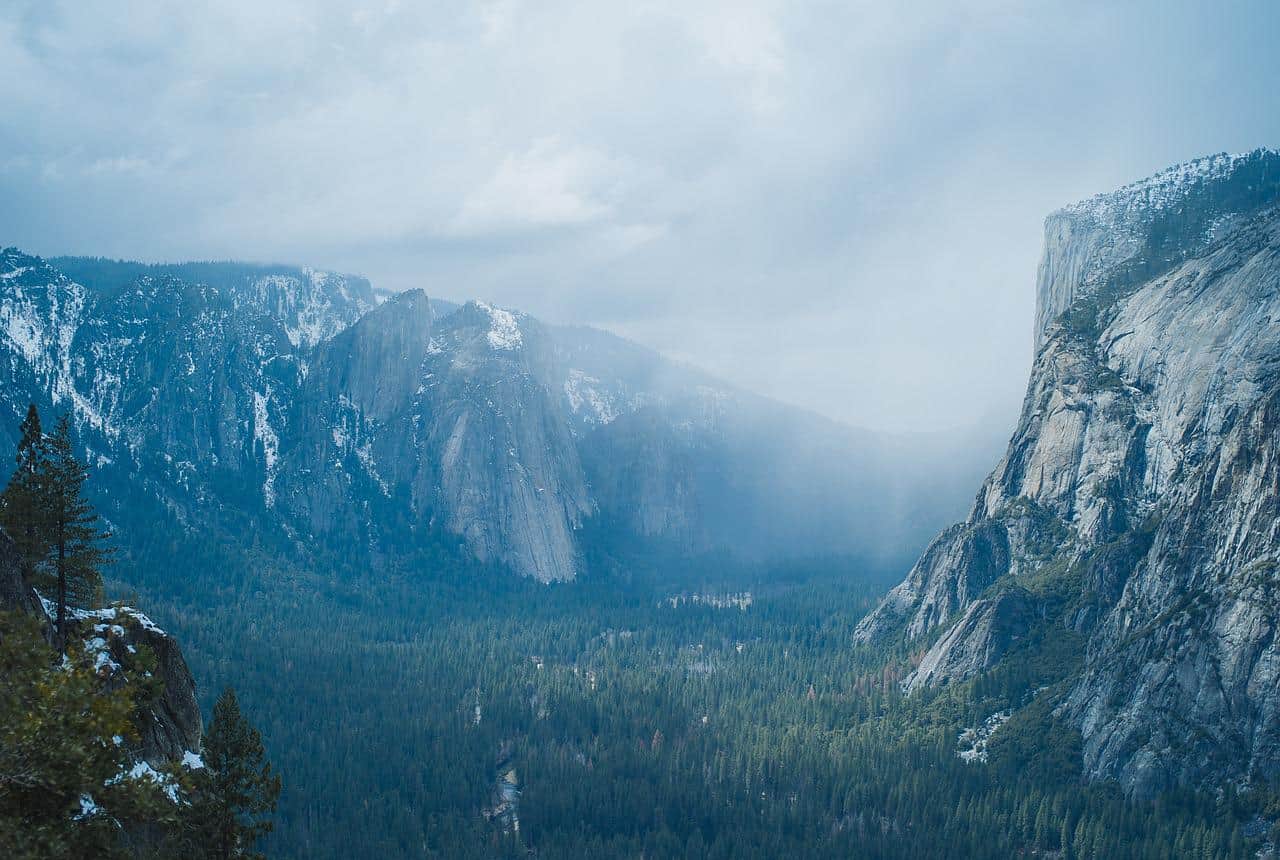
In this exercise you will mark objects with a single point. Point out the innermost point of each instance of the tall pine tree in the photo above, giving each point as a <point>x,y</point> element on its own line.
<point>236,790</point>
<point>23,507</point>
<point>76,552</point>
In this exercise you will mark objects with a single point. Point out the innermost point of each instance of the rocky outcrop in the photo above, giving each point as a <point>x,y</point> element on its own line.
<point>115,637</point>
<point>1136,504</point>
<point>986,631</point>
<point>118,637</point>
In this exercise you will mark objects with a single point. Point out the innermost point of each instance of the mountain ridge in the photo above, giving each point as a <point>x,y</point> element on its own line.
<point>293,402</point>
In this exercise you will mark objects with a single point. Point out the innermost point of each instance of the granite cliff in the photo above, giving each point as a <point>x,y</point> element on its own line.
<point>1135,519</point>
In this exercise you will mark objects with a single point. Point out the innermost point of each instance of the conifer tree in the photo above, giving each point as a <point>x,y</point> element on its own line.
<point>66,789</point>
<point>76,551</point>
<point>23,510</point>
<point>237,789</point>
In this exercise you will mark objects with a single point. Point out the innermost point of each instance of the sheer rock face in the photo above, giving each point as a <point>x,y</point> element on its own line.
<point>169,728</point>
<point>1141,484</point>
<point>176,726</point>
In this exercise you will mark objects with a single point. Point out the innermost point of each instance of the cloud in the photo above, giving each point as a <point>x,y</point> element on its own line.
<point>835,203</point>
<point>745,40</point>
<point>550,184</point>
<point>496,18</point>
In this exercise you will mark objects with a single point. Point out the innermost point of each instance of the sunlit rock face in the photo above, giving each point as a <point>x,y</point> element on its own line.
<point>1136,506</point>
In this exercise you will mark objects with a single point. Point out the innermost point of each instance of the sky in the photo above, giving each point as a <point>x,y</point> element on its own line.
<point>836,204</point>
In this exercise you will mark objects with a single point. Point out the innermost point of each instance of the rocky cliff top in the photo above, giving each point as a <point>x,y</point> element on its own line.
<point>1122,237</point>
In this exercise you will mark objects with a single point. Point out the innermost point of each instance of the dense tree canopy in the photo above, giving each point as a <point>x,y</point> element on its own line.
<point>431,711</point>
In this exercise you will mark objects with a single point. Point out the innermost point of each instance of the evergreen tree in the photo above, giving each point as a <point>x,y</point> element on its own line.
<point>236,789</point>
<point>23,511</point>
<point>66,786</point>
<point>76,551</point>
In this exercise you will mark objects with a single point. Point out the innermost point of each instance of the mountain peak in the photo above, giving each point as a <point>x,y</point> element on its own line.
<point>504,328</point>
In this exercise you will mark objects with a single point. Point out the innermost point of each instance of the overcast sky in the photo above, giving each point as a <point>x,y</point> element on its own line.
<point>837,204</point>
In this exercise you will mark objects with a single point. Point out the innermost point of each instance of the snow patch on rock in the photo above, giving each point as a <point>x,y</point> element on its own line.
<point>365,455</point>
<point>504,330</point>
<point>265,434</point>
<point>587,400</point>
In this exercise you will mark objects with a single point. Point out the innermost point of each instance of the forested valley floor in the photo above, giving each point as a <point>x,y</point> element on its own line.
<point>695,710</point>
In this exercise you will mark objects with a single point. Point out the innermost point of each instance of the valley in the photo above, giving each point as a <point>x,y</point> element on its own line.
<point>495,587</point>
<point>735,430</point>
<point>636,727</point>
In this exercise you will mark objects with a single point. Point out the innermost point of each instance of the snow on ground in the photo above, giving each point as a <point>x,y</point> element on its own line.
<point>142,770</point>
<point>735,600</point>
<point>87,807</point>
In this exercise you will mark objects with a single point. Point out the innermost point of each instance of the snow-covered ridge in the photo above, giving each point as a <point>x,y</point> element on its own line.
<point>110,615</point>
<point>81,346</point>
<point>313,307</point>
<point>1162,190</point>
<point>41,312</point>
<point>504,330</point>
<point>1188,205</point>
